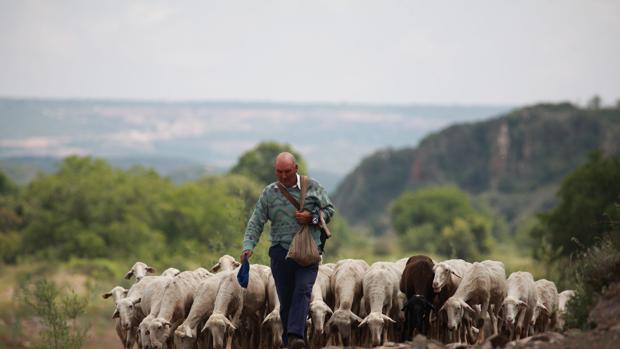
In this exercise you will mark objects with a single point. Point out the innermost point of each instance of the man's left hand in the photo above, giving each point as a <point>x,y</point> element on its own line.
<point>303,217</point>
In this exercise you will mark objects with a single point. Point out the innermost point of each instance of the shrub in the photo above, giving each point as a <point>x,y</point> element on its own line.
<point>58,312</point>
<point>595,269</point>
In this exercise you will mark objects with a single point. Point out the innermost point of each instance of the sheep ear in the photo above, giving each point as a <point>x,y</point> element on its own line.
<point>521,303</point>
<point>329,311</point>
<point>203,328</point>
<point>216,267</point>
<point>167,324</point>
<point>229,323</point>
<point>136,301</point>
<point>236,264</point>
<point>328,324</point>
<point>150,269</point>
<point>387,318</point>
<point>129,274</point>
<point>116,314</point>
<point>543,308</point>
<point>106,295</point>
<point>468,308</point>
<point>188,332</point>
<point>363,322</point>
<point>125,292</point>
<point>355,317</point>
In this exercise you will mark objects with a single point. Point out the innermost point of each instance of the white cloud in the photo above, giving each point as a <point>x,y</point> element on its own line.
<point>33,143</point>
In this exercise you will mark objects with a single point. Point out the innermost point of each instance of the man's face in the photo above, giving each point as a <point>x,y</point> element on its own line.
<point>286,172</point>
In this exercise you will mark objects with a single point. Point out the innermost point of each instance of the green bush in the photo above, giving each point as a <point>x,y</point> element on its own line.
<point>594,270</point>
<point>442,220</point>
<point>58,312</point>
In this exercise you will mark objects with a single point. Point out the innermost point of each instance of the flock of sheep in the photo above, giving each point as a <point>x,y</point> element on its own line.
<point>352,303</point>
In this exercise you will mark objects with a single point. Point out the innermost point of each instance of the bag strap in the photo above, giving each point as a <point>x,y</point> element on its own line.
<point>290,198</point>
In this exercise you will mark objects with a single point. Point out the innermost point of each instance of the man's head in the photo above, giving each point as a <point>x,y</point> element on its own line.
<point>286,169</point>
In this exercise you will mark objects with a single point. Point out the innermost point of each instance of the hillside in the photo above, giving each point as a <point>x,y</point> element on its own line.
<point>514,162</point>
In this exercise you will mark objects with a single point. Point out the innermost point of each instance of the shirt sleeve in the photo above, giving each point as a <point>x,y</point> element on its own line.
<point>257,221</point>
<point>326,204</point>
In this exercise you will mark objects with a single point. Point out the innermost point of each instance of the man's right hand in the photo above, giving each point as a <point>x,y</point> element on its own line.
<point>245,254</point>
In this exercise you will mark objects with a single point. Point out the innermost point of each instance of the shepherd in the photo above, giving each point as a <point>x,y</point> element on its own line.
<point>293,281</point>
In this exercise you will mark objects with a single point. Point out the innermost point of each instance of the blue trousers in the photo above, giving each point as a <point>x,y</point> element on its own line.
<point>294,286</point>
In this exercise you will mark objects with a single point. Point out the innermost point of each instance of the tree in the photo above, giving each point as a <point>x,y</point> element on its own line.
<point>437,206</point>
<point>441,220</point>
<point>589,204</point>
<point>595,102</point>
<point>11,220</point>
<point>89,209</point>
<point>258,163</point>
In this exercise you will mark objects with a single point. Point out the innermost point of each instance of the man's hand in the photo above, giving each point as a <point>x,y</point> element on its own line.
<point>245,254</point>
<point>303,217</point>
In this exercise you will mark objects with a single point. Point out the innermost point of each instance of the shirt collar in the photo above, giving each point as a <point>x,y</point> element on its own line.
<point>298,184</point>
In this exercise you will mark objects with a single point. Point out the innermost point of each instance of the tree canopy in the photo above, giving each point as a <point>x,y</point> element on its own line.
<point>589,204</point>
<point>258,163</point>
<point>441,220</point>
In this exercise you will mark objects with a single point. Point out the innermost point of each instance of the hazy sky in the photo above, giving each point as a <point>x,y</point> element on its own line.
<point>499,52</point>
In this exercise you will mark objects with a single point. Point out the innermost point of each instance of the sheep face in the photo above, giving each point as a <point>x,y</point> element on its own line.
<point>139,271</point>
<point>511,308</point>
<point>540,311</point>
<point>319,312</point>
<point>273,324</point>
<point>225,263</point>
<point>219,326</point>
<point>144,332</point>
<point>442,276</point>
<point>455,308</point>
<point>159,332</point>
<point>341,322</point>
<point>127,309</point>
<point>117,293</point>
<point>375,322</point>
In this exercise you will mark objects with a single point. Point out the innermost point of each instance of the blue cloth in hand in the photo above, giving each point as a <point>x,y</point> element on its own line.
<point>243,275</point>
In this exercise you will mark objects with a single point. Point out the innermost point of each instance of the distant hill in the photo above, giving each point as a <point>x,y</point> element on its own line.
<point>515,161</point>
<point>23,169</point>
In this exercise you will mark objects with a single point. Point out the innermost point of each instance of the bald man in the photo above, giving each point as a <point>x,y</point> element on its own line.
<point>293,282</point>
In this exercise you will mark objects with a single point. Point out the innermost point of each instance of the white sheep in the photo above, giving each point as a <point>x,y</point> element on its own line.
<point>150,305</point>
<point>271,328</point>
<point>117,293</point>
<point>131,311</point>
<point>321,301</point>
<point>448,276</point>
<point>175,304</point>
<point>474,289</point>
<point>545,312</point>
<point>346,283</point>
<point>225,263</point>
<point>563,299</point>
<point>186,335</point>
<point>380,296</point>
<point>231,304</point>
<point>498,291</point>
<point>518,306</point>
<point>139,270</point>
